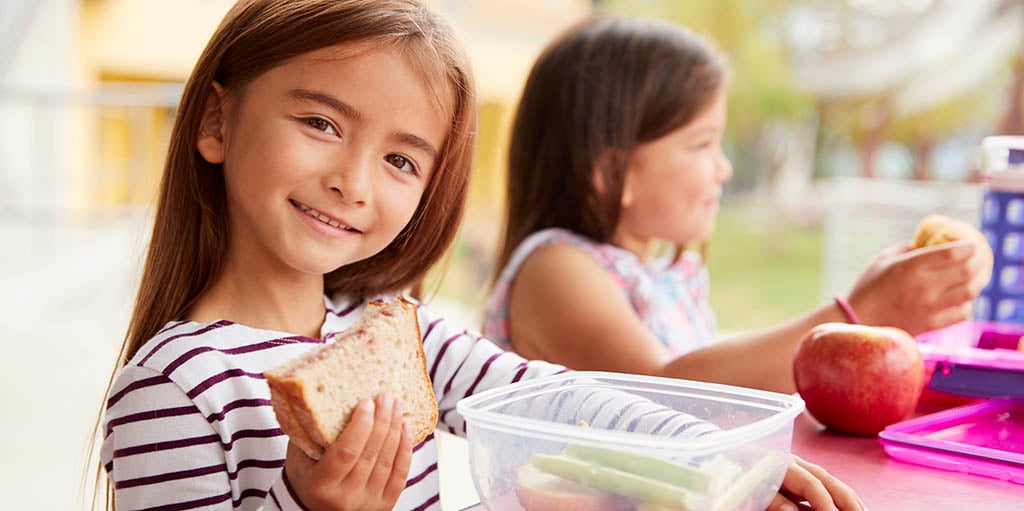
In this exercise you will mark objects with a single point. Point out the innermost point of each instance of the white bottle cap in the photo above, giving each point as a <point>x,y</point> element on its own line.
<point>1003,162</point>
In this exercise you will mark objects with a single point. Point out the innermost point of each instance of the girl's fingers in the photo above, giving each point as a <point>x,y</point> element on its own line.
<point>944,255</point>
<point>781,503</point>
<point>800,482</point>
<point>957,295</point>
<point>400,468</point>
<point>302,461</point>
<point>345,452</point>
<point>841,495</point>
<point>949,316</point>
<point>893,250</point>
<point>360,473</point>
<point>298,467</point>
<point>958,274</point>
<point>381,472</point>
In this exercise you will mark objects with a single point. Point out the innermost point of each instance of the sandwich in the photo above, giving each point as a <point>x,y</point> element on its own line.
<point>938,229</point>
<point>314,395</point>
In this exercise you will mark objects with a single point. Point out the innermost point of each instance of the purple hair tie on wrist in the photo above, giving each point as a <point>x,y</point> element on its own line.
<point>847,310</point>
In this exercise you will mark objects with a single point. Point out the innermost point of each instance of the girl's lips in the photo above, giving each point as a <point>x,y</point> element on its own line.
<point>322,217</point>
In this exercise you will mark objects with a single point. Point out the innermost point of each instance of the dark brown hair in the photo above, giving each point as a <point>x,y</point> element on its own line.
<point>189,240</point>
<point>605,86</point>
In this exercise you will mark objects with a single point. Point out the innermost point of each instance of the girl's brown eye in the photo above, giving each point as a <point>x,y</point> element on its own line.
<point>400,162</point>
<point>320,125</point>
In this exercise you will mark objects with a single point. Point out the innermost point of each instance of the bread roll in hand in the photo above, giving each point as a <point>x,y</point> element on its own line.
<point>313,396</point>
<point>937,229</point>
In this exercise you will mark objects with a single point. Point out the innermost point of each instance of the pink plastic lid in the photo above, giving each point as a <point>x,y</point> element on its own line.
<point>985,438</point>
<point>977,359</point>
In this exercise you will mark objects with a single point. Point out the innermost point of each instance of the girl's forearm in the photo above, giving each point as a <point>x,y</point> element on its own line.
<point>762,359</point>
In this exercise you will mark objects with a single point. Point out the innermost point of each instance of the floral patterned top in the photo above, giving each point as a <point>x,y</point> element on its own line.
<point>671,298</point>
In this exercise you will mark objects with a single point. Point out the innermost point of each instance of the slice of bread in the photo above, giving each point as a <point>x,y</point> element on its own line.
<point>313,396</point>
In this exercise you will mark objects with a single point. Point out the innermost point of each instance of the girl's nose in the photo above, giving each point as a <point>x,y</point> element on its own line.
<point>353,181</point>
<point>724,168</point>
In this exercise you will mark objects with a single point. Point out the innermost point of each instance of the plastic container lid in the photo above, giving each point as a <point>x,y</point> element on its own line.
<point>976,358</point>
<point>985,438</point>
<point>761,412</point>
<point>1001,152</point>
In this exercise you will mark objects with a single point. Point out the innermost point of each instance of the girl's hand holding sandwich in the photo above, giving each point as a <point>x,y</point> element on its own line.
<point>364,469</point>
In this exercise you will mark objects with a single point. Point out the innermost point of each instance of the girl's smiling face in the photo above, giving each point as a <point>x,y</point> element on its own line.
<point>673,183</point>
<point>325,157</point>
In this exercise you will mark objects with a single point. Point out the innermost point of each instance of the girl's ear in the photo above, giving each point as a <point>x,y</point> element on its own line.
<point>627,191</point>
<point>210,142</point>
<point>610,161</point>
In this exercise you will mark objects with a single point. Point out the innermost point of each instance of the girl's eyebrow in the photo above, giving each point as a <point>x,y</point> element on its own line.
<point>350,112</point>
<point>701,130</point>
<point>417,142</point>
<point>328,101</point>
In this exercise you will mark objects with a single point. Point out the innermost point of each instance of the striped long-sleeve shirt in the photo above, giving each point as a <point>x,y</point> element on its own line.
<point>189,424</point>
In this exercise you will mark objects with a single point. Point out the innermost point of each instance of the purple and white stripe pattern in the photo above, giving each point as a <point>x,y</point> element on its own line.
<point>189,423</point>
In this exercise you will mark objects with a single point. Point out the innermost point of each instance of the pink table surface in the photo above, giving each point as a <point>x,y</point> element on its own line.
<point>884,483</point>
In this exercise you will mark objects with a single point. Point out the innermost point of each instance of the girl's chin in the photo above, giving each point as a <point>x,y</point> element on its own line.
<point>317,266</point>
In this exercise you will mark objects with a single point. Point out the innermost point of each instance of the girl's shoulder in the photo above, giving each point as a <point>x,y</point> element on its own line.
<point>170,341</point>
<point>197,356</point>
<point>608,256</point>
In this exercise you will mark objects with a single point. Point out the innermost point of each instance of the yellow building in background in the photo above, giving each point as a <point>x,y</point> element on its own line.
<point>135,47</point>
<point>99,100</point>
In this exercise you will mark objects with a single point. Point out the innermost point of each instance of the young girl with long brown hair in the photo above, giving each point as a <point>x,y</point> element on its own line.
<point>319,160</point>
<point>616,145</point>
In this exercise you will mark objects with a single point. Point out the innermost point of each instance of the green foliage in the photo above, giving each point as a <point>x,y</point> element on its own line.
<point>763,271</point>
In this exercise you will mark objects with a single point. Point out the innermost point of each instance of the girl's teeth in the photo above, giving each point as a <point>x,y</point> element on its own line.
<point>323,218</point>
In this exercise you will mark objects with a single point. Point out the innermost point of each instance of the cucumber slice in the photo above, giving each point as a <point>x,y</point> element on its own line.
<point>647,466</point>
<point>641,488</point>
<point>748,482</point>
<point>722,472</point>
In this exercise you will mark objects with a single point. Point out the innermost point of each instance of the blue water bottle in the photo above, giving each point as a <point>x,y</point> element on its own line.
<point>1002,222</point>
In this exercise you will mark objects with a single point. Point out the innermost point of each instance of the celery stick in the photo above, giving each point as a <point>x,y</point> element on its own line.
<point>748,482</point>
<point>630,485</point>
<point>648,466</point>
<point>722,472</point>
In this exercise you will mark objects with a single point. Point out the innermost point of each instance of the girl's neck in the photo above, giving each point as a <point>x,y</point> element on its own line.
<point>247,294</point>
<point>638,246</point>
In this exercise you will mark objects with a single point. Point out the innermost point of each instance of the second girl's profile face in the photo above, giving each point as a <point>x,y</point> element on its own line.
<point>326,157</point>
<point>674,183</point>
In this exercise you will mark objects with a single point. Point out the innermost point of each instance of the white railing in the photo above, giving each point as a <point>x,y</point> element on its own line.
<point>862,216</point>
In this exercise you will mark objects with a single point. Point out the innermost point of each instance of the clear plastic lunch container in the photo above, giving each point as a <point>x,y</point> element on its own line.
<point>615,442</point>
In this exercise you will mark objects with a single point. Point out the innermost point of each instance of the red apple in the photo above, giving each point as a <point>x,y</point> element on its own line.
<point>857,378</point>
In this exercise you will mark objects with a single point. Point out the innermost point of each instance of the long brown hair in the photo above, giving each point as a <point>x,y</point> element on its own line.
<point>605,86</point>
<point>190,232</point>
